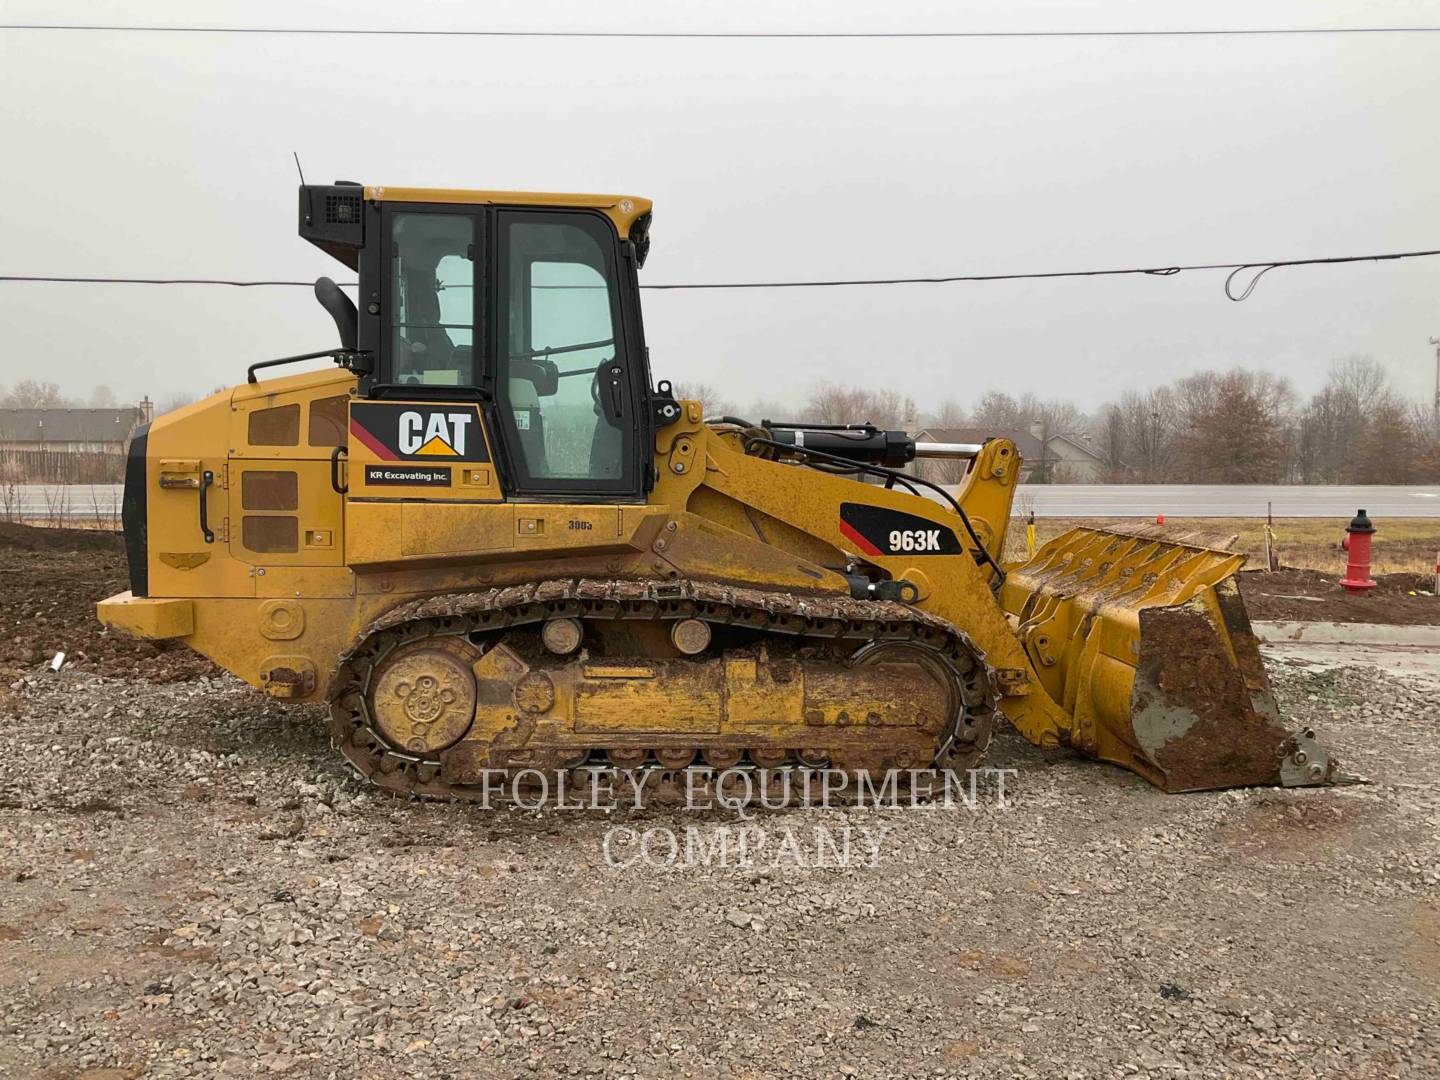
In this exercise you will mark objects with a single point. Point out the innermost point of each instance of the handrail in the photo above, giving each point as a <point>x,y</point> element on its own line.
<point>340,356</point>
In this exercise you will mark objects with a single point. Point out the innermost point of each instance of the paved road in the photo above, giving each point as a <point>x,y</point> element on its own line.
<point>39,502</point>
<point>1050,500</point>
<point>1238,500</point>
<point>1396,650</point>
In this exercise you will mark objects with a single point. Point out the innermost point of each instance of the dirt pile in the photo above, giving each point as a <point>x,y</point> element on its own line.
<point>50,580</point>
<point>1316,596</point>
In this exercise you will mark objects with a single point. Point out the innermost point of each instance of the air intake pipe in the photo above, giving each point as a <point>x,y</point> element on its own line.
<point>340,308</point>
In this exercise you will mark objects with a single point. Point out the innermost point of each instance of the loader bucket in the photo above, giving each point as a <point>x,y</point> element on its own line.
<point>1142,638</point>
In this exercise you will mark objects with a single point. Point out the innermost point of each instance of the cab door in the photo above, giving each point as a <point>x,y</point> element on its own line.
<point>563,378</point>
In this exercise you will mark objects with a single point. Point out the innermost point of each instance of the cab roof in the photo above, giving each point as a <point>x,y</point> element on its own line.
<point>621,209</point>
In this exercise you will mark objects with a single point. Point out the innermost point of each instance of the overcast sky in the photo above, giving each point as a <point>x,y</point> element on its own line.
<point>169,155</point>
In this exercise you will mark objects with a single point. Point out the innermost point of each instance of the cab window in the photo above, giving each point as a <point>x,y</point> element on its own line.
<point>432,299</point>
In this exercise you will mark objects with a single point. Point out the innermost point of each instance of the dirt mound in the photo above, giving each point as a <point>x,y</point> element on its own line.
<point>15,537</point>
<point>50,580</point>
<point>1316,596</point>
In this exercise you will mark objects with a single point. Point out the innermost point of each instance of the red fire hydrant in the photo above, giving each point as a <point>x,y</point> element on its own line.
<point>1357,543</point>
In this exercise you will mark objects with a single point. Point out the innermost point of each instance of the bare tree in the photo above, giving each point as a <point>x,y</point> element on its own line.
<point>1242,426</point>
<point>10,476</point>
<point>1336,416</point>
<point>1056,417</point>
<point>1362,379</point>
<point>890,409</point>
<point>950,414</point>
<point>831,404</point>
<point>997,411</point>
<point>1111,444</point>
<point>1388,448</point>
<point>175,401</point>
<point>102,397</point>
<point>713,402</point>
<point>1150,421</point>
<point>57,504</point>
<point>770,409</point>
<point>104,513</point>
<point>29,394</point>
<point>1426,418</point>
<point>1233,428</point>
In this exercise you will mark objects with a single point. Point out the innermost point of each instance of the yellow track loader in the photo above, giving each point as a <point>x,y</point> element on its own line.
<point>492,543</point>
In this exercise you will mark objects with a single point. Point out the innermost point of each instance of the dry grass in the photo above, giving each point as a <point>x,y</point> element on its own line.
<point>104,522</point>
<point>1401,544</point>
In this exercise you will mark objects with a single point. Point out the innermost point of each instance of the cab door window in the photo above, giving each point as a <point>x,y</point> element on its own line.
<point>561,383</point>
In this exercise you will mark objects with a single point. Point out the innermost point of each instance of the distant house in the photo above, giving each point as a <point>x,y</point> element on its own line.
<point>1066,459</point>
<point>67,446</point>
<point>71,431</point>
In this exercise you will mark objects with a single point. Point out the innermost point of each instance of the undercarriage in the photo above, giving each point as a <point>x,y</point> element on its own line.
<point>447,695</point>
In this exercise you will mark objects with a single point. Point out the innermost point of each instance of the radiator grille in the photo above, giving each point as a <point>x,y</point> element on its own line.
<point>261,489</point>
<point>270,534</point>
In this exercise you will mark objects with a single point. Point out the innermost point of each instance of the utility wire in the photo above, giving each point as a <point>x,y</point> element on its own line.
<point>1236,269</point>
<point>732,34</point>
<point>152,281</point>
<point>1154,271</point>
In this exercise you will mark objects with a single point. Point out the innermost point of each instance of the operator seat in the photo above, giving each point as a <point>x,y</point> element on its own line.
<point>530,423</point>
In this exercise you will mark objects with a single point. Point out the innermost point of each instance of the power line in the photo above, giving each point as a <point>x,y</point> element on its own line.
<point>318,31</point>
<point>1155,271</point>
<point>150,281</point>
<point>1261,267</point>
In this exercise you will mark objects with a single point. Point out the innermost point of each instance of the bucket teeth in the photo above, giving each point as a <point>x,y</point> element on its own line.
<point>1146,643</point>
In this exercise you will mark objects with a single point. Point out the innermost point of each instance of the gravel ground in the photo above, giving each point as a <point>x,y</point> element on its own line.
<point>190,884</point>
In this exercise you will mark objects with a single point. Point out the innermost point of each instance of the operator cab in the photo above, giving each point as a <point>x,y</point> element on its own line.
<point>525,304</point>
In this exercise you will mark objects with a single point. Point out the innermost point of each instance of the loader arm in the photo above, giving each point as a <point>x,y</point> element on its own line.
<point>857,520</point>
<point>1129,644</point>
